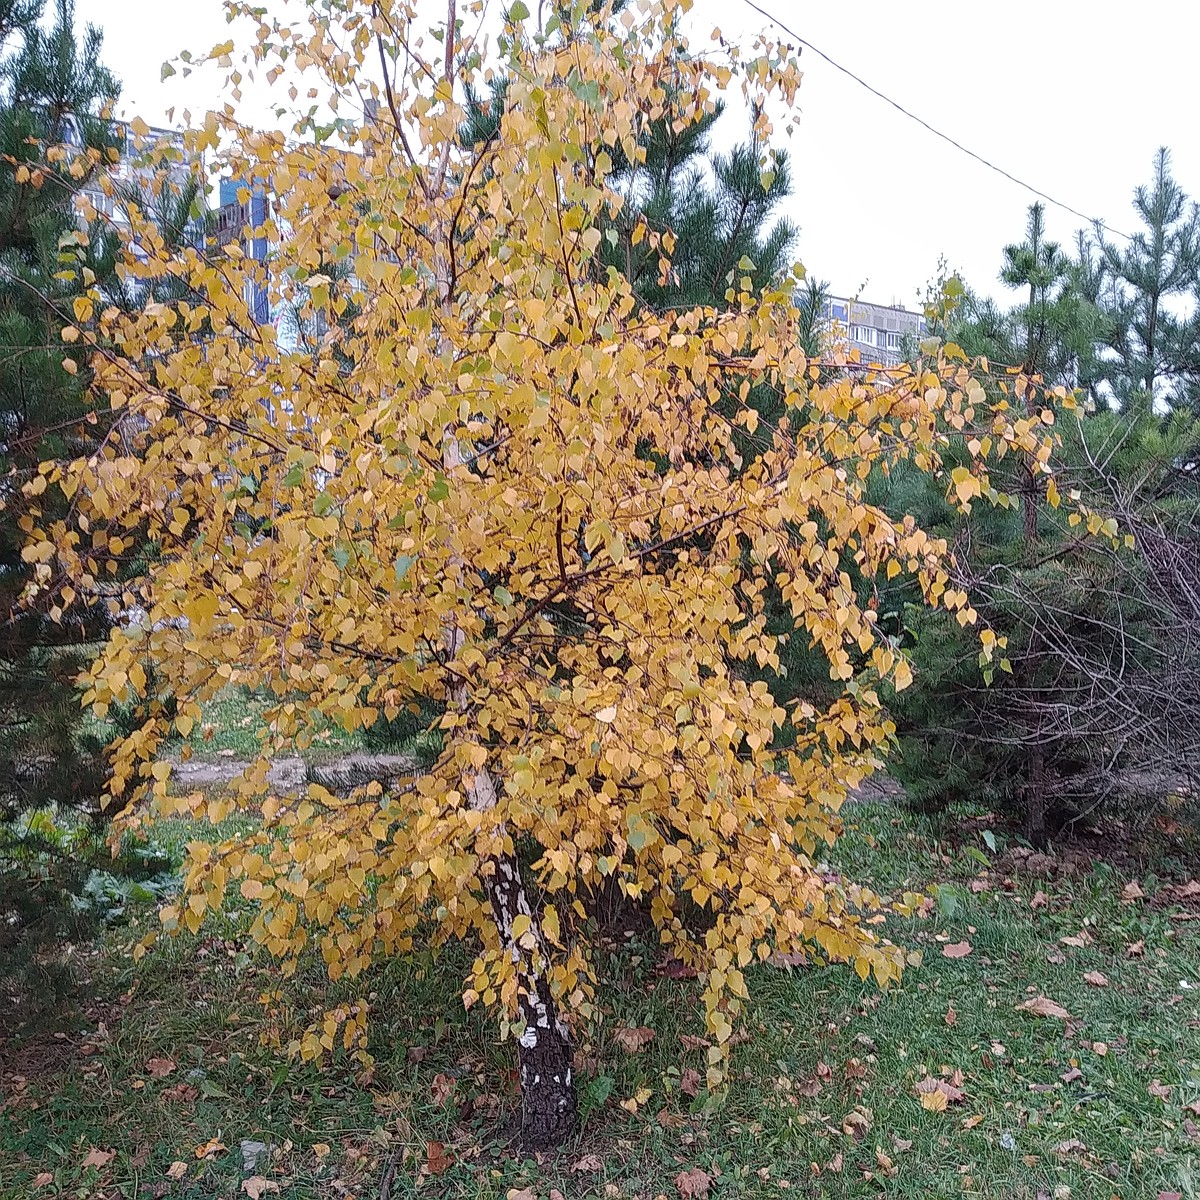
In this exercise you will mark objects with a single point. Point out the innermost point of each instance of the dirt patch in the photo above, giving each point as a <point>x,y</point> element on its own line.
<point>350,771</point>
<point>291,773</point>
<point>876,789</point>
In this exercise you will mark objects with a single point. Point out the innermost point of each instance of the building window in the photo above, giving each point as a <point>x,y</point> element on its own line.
<point>894,340</point>
<point>864,335</point>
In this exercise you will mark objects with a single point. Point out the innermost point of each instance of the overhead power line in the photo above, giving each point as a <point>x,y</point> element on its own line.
<point>936,132</point>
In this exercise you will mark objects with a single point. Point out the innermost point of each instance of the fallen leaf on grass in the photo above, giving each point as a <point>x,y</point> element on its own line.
<point>1095,978</point>
<point>636,1101</point>
<point>856,1125</point>
<point>632,1040</point>
<point>796,958</point>
<point>177,1170</point>
<point>1191,1129</point>
<point>257,1186</point>
<point>1043,1006</point>
<point>441,1089</point>
<point>1070,1076</point>
<point>951,1015</point>
<point>1193,1107</point>
<point>1069,1147</point>
<point>98,1158</point>
<point>1159,1089</point>
<point>1135,949</point>
<point>956,1077</point>
<point>555,1194</point>
<point>157,1068</point>
<point>1100,1048</point>
<point>320,1149</point>
<point>971,1122</point>
<point>928,1088</point>
<point>589,1162</point>
<point>672,968</point>
<point>855,1069</point>
<point>836,1163</point>
<point>956,950</point>
<point>689,1082</point>
<point>43,1178</point>
<point>180,1091</point>
<point>690,1041</point>
<point>884,1163</point>
<point>521,1194</point>
<point>1039,900</point>
<point>900,1145</point>
<point>437,1160</point>
<point>693,1184</point>
<point>1170,1196</point>
<point>210,1148</point>
<point>1132,891</point>
<point>1078,940</point>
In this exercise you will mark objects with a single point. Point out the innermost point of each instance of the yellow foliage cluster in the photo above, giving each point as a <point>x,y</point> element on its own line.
<point>489,479</point>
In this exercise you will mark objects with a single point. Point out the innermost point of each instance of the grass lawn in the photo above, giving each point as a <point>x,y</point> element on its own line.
<point>233,725</point>
<point>234,718</point>
<point>175,1056</point>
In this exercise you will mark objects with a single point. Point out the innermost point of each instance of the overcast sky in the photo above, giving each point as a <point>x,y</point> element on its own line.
<point>1068,95</point>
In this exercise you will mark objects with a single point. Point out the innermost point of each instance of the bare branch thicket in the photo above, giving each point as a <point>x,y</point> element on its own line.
<point>1106,662</point>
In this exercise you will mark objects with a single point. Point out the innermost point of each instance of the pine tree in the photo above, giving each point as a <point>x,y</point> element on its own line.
<point>1098,683</point>
<point>720,211</point>
<point>1053,330</point>
<point>1150,352</point>
<point>718,208</point>
<point>714,218</point>
<point>812,299</point>
<point>53,138</point>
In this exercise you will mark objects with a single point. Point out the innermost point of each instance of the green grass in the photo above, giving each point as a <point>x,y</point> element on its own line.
<point>234,719</point>
<point>825,1078</point>
<point>233,723</point>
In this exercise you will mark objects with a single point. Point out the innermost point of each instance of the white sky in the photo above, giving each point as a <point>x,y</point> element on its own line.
<point>1070,95</point>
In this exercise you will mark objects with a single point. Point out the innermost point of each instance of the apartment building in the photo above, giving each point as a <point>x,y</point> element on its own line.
<point>876,331</point>
<point>135,165</point>
<point>241,210</point>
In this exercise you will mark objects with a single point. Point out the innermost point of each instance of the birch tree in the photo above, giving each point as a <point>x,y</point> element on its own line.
<point>496,483</point>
